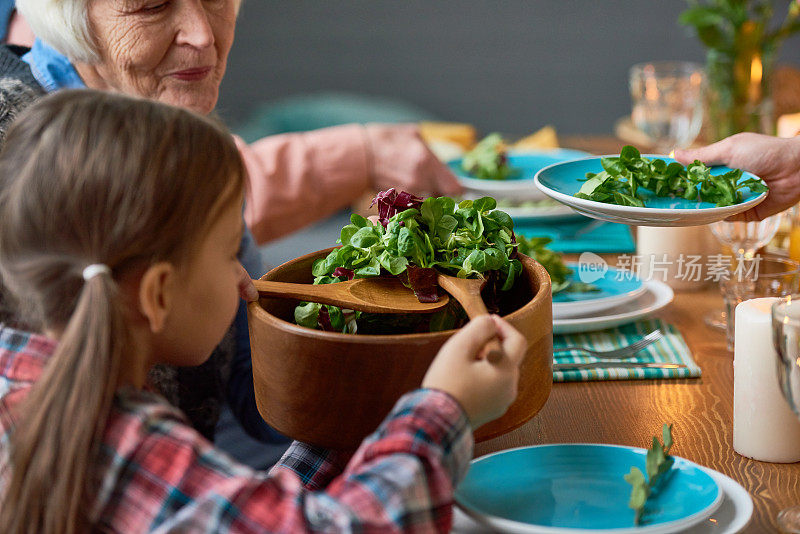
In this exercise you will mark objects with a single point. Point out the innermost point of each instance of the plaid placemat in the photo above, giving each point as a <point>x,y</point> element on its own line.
<point>670,349</point>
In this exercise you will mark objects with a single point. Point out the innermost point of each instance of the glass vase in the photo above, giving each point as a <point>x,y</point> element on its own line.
<point>739,96</point>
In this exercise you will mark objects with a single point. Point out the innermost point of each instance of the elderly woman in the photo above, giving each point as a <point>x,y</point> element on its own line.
<point>175,51</point>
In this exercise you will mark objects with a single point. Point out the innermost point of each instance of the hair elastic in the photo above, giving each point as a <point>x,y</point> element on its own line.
<point>94,269</point>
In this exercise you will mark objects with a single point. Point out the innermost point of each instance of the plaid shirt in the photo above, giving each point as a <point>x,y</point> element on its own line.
<point>160,475</point>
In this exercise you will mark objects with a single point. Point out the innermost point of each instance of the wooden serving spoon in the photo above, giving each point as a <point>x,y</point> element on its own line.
<point>467,292</point>
<point>373,295</point>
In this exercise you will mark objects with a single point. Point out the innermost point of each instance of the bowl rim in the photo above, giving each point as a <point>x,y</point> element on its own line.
<point>276,322</point>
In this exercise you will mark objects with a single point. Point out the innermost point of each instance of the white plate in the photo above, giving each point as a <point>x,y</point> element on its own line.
<point>732,516</point>
<point>656,296</point>
<point>561,181</point>
<point>521,187</point>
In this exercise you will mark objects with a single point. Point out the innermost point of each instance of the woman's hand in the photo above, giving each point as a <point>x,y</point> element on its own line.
<point>775,160</point>
<point>399,158</point>
<point>246,288</point>
<point>485,390</point>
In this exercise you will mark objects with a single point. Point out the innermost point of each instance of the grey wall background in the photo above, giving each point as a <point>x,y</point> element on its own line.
<point>501,65</point>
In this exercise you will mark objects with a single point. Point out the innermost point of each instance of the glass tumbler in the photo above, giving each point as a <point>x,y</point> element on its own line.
<point>760,276</point>
<point>667,102</point>
<point>744,239</point>
<point>786,338</point>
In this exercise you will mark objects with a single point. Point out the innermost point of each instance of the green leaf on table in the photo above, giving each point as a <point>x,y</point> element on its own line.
<point>666,435</point>
<point>657,463</point>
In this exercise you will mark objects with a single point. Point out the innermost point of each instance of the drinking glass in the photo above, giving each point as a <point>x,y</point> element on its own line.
<point>756,277</point>
<point>744,239</point>
<point>786,338</point>
<point>667,99</point>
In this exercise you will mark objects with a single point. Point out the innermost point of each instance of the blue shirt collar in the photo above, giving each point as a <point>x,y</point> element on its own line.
<point>51,69</point>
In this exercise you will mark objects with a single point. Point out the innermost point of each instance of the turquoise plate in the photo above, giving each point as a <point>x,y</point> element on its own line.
<point>580,487</point>
<point>615,288</point>
<point>519,187</point>
<point>562,180</point>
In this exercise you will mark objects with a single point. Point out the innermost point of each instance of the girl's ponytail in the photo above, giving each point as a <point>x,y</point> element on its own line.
<point>87,175</point>
<point>53,451</point>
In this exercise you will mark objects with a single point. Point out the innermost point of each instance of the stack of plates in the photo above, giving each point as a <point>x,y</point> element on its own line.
<point>622,298</point>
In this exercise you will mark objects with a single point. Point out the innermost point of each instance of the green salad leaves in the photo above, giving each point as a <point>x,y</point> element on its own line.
<point>414,236</point>
<point>412,239</point>
<point>629,179</point>
<point>488,160</point>
<point>465,239</point>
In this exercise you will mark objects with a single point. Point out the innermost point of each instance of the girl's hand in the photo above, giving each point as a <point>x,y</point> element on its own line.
<point>775,160</point>
<point>485,390</point>
<point>246,288</point>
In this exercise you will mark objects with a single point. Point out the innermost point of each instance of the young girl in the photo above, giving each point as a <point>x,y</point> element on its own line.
<point>101,197</point>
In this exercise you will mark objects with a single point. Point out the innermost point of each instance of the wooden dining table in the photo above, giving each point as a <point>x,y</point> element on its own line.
<point>631,412</point>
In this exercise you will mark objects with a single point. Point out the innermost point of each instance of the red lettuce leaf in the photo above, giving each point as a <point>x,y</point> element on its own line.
<point>341,272</point>
<point>324,320</point>
<point>423,282</point>
<point>390,203</point>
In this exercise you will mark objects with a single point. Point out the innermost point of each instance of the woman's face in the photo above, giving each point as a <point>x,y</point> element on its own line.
<point>173,51</point>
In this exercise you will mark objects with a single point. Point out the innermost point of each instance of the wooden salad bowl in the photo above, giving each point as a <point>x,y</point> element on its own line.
<point>332,390</point>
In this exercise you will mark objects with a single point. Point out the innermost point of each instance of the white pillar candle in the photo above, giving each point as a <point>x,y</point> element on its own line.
<point>764,427</point>
<point>675,255</point>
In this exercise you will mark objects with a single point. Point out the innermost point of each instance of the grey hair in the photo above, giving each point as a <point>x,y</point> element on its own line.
<point>64,25</point>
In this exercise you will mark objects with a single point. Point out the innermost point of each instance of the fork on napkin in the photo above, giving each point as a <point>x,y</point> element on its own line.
<point>670,349</point>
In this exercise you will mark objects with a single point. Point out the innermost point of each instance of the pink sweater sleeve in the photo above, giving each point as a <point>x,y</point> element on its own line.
<point>297,179</point>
